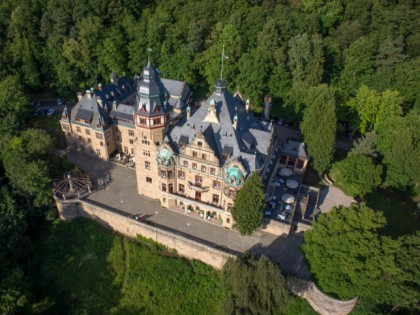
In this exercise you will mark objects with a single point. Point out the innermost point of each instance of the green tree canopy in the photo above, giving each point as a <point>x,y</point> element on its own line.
<point>14,106</point>
<point>346,254</point>
<point>357,174</point>
<point>256,286</point>
<point>319,127</point>
<point>372,107</point>
<point>249,205</point>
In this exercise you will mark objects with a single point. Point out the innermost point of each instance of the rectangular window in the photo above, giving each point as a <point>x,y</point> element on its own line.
<point>185,163</point>
<point>216,184</point>
<point>163,187</point>
<point>99,135</point>
<point>200,144</point>
<point>145,142</point>
<point>229,206</point>
<point>204,156</point>
<point>146,153</point>
<point>87,132</point>
<point>78,129</point>
<point>91,150</point>
<point>212,171</point>
<point>101,144</point>
<point>118,138</point>
<point>98,152</point>
<point>65,127</point>
<point>198,180</point>
<point>194,154</point>
<point>203,168</point>
<point>181,175</point>
<point>148,180</point>
<point>181,188</point>
<point>194,166</point>
<point>131,141</point>
<point>300,164</point>
<point>131,133</point>
<point>89,140</point>
<point>143,121</point>
<point>132,151</point>
<point>215,198</point>
<point>126,150</point>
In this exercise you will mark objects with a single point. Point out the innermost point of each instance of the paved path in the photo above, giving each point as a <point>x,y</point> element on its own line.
<point>119,191</point>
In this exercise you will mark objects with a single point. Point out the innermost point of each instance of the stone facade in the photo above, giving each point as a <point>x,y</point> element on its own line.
<point>192,158</point>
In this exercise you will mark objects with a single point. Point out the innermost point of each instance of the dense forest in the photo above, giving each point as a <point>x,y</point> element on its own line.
<point>332,67</point>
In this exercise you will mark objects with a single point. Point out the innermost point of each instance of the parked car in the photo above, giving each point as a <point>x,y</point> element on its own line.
<point>267,212</point>
<point>50,112</point>
<point>59,102</point>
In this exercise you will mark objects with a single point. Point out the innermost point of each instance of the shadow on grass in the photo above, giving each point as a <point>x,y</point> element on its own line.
<point>76,268</point>
<point>399,211</point>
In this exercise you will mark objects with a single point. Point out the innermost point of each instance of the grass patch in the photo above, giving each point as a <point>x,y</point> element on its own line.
<point>398,209</point>
<point>82,269</point>
<point>51,124</point>
<point>298,306</point>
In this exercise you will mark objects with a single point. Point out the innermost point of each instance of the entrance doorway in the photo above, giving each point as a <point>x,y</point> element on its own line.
<point>198,195</point>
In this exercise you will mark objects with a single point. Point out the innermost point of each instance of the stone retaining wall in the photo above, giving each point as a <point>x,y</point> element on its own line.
<point>122,224</point>
<point>275,227</point>
<point>320,302</point>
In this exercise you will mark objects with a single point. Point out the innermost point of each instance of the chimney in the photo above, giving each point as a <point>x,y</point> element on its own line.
<point>114,105</point>
<point>89,96</point>
<point>247,105</point>
<point>79,96</point>
<point>267,106</point>
<point>188,112</point>
<point>100,86</point>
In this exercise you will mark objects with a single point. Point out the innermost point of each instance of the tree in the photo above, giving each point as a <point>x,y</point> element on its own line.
<point>404,291</point>
<point>366,145</point>
<point>357,174</point>
<point>25,163</point>
<point>319,127</point>
<point>249,205</point>
<point>398,139</point>
<point>373,107</point>
<point>14,106</point>
<point>346,254</point>
<point>255,285</point>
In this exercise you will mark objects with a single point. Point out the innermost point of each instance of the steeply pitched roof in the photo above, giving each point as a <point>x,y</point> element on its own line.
<point>225,138</point>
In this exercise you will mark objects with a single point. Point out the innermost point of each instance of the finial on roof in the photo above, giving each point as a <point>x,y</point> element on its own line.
<point>223,58</point>
<point>149,50</point>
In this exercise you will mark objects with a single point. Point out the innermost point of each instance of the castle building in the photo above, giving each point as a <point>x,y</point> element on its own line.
<point>194,158</point>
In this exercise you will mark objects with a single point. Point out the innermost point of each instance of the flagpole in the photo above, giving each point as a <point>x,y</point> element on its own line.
<point>221,69</point>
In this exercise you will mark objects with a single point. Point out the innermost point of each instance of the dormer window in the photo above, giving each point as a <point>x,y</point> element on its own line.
<point>200,144</point>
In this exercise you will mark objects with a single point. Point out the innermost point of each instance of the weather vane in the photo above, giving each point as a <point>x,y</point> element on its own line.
<point>149,50</point>
<point>223,58</point>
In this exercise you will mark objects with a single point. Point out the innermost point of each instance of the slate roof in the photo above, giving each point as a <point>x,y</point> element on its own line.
<point>88,109</point>
<point>151,93</point>
<point>124,112</point>
<point>295,148</point>
<point>222,136</point>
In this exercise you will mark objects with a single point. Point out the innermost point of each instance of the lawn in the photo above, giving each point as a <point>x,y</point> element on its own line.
<point>398,210</point>
<point>51,124</point>
<point>82,269</point>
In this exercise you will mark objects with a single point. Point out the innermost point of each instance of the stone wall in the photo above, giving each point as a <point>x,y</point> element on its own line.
<point>186,247</point>
<point>320,302</point>
<point>275,227</point>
